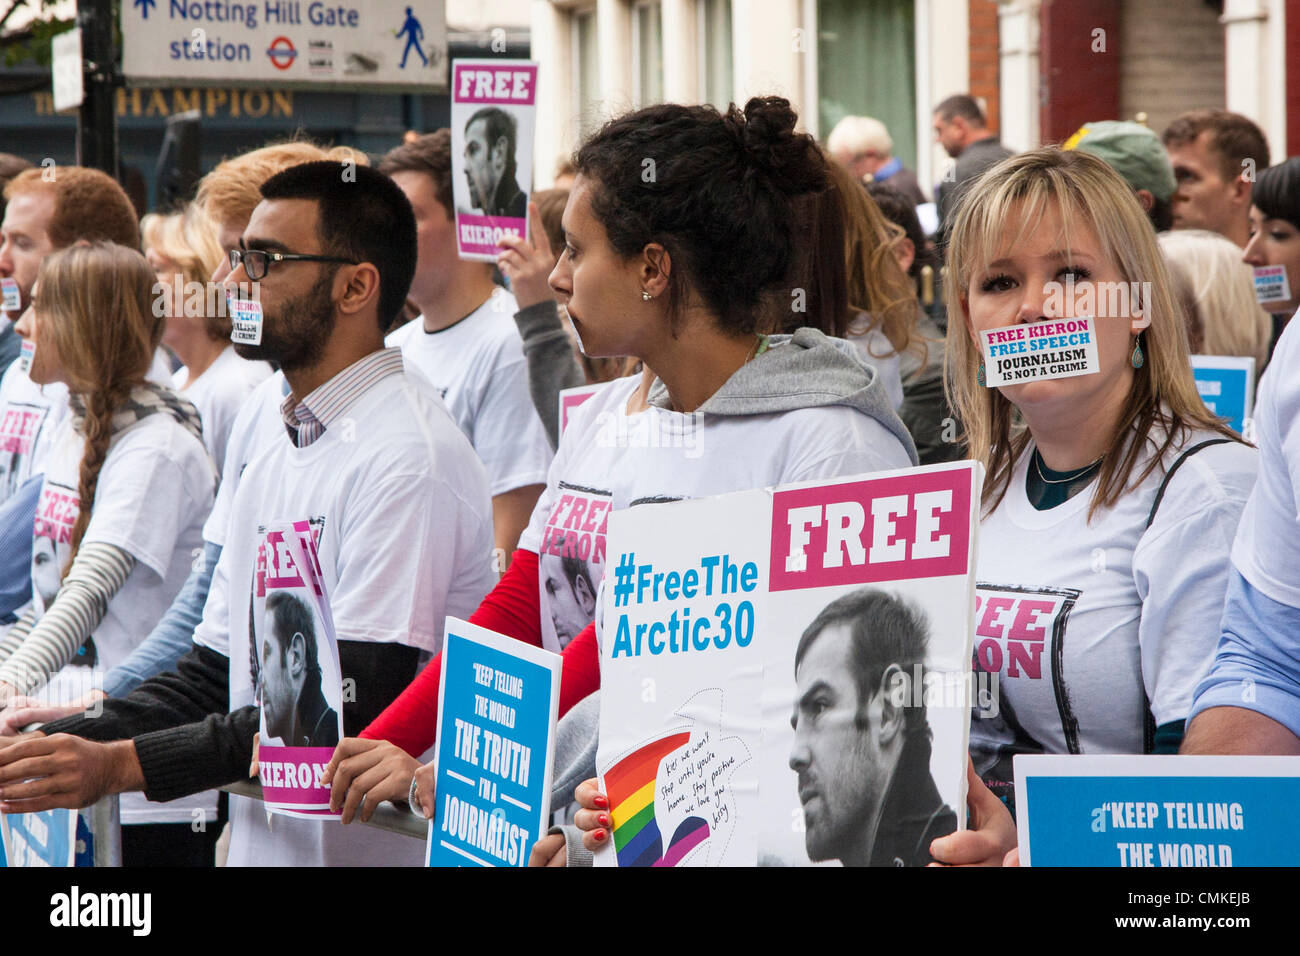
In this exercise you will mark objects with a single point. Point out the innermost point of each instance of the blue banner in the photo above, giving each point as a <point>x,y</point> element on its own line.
<point>39,839</point>
<point>1163,821</point>
<point>1227,389</point>
<point>495,732</point>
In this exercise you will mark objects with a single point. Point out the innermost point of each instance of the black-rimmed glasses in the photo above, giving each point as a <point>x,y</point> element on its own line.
<point>256,262</point>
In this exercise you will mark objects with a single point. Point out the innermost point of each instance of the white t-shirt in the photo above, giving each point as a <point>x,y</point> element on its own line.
<point>1079,620</point>
<point>477,366</point>
<point>219,393</point>
<point>875,349</point>
<point>30,415</point>
<point>154,492</point>
<point>1267,548</point>
<point>609,459</point>
<point>406,540</point>
<point>255,428</point>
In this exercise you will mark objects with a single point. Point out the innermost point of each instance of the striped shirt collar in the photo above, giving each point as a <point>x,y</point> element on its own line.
<point>306,420</point>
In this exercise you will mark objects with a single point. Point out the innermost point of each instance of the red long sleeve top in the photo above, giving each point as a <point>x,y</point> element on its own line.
<point>513,608</point>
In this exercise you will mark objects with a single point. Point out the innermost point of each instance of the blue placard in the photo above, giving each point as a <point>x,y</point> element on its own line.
<point>495,733</point>
<point>1226,389</point>
<point>1163,820</point>
<point>40,839</point>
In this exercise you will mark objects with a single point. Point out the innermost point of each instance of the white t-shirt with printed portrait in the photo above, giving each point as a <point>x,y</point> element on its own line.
<point>608,459</point>
<point>406,540</point>
<point>30,416</point>
<point>478,368</point>
<point>154,491</point>
<point>1084,622</point>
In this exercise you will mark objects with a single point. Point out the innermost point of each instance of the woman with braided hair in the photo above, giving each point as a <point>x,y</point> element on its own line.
<point>128,482</point>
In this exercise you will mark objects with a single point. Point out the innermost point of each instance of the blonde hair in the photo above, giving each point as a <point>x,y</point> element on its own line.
<point>1216,290</point>
<point>95,308</point>
<point>233,189</point>
<point>876,282</point>
<point>189,239</point>
<point>857,135</point>
<point>1162,405</point>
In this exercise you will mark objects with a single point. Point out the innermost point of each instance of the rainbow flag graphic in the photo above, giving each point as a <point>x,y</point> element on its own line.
<point>630,786</point>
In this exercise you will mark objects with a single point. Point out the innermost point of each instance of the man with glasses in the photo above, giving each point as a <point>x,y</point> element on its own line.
<point>368,459</point>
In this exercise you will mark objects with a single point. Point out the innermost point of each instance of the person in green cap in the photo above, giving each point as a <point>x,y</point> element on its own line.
<point>1136,153</point>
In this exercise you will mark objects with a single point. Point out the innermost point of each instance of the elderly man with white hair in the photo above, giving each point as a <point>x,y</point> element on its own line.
<point>863,146</point>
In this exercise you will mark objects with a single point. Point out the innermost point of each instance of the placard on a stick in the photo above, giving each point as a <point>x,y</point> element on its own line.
<point>493,112</point>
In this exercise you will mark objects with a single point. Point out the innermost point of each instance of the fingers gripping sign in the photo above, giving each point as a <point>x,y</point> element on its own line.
<point>364,773</point>
<point>992,836</point>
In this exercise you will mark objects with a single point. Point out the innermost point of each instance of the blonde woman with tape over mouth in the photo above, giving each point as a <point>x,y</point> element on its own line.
<point>1111,498</point>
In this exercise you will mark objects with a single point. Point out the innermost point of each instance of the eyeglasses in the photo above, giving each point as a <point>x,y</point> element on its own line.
<point>256,262</point>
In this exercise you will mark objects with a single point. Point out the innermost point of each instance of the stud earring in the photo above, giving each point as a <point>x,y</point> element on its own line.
<point>1138,359</point>
<point>646,296</point>
<point>979,374</point>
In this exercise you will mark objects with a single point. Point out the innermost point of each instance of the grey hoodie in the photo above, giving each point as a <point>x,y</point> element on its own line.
<point>803,370</point>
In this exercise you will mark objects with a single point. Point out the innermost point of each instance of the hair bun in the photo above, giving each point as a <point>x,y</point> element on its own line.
<point>766,134</point>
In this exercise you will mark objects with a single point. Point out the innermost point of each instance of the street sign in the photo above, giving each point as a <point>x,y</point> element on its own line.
<point>65,50</point>
<point>397,45</point>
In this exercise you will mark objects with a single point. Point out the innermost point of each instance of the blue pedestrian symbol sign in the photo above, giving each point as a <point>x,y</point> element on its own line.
<point>414,34</point>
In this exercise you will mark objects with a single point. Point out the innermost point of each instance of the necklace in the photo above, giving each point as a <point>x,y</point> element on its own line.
<point>753,352</point>
<point>1061,481</point>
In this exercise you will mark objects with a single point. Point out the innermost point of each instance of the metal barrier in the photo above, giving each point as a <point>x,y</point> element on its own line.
<point>386,816</point>
<point>104,822</point>
<point>99,829</point>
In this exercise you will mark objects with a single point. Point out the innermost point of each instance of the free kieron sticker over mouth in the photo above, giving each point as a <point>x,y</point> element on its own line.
<point>1032,352</point>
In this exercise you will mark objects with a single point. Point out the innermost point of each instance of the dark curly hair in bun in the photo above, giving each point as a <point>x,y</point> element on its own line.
<point>718,191</point>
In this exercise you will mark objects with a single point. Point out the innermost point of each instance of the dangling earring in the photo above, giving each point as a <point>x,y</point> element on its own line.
<point>1138,359</point>
<point>979,375</point>
<point>646,296</point>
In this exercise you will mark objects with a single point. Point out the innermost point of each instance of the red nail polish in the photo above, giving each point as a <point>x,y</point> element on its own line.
<point>602,819</point>
<point>599,836</point>
<point>601,801</point>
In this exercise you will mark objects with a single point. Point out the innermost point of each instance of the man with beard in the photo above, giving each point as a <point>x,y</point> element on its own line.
<point>861,749</point>
<point>369,460</point>
<point>490,164</point>
<point>294,707</point>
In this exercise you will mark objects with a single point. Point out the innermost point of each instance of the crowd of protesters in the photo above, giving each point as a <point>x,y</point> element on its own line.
<point>406,399</point>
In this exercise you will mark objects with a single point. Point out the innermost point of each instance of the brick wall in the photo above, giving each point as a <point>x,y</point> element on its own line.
<point>982,18</point>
